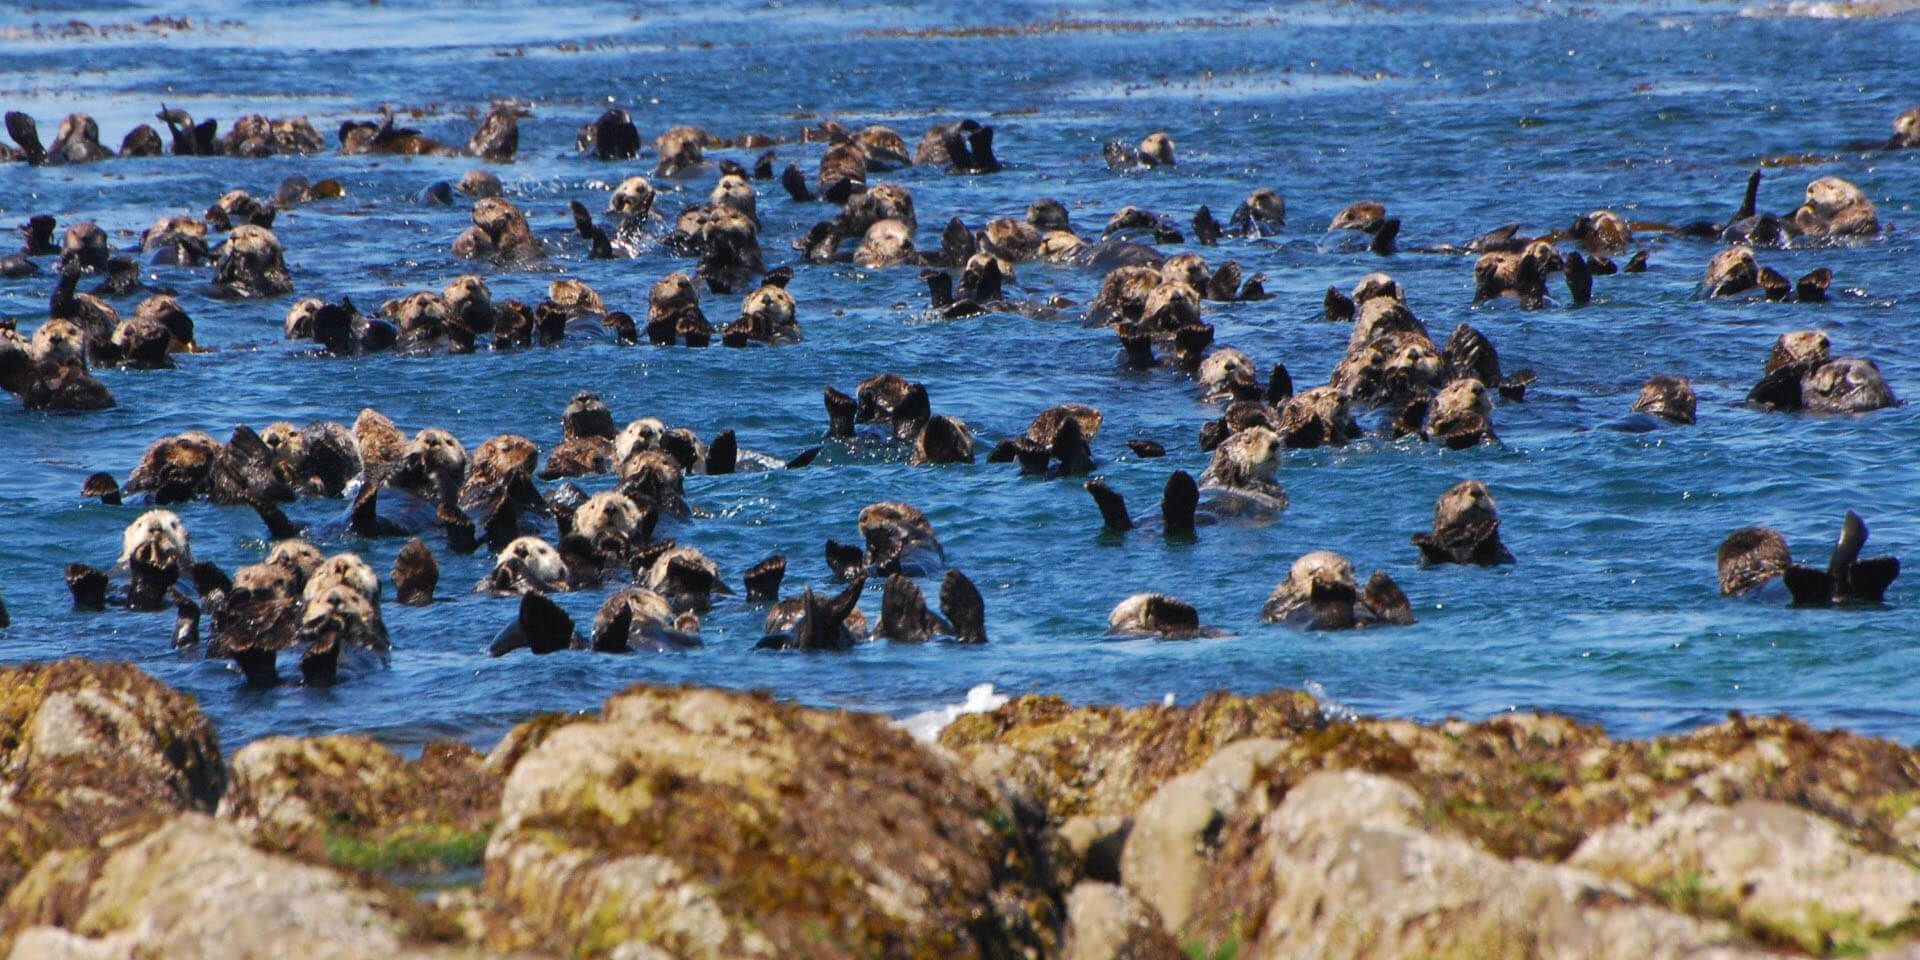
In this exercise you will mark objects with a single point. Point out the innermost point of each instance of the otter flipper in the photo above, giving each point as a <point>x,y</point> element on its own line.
<point>1336,308</point>
<point>186,622</point>
<point>1172,617</point>
<point>1867,581</point>
<point>939,288</point>
<point>1113,507</point>
<point>957,244</point>
<point>1331,606</point>
<point>823,625</point>
<point>26,133</point>
<point>840,412</point>
<point>278,526</point>
<point>88,586</point>
<point>541,627</point>
<point>795,183</point>
<point>1070,448</point>
<point>1809,587</point>
<point>1178,501</point>
<point>1383,597</point>
<point>102,487</point>
<point>763,579</point>
<point>1749,201</point>
<point>803,459</point>
<point>904,617</point>
<point>1812,288</point>
<point>722,454</point>
<point>846,561</point>
<point>960,603</point>
<point>1207,230</point>
<point>1384,237</point>
<point>1780,390</point>
<point>1579,278</point>
<point>1224,285</point>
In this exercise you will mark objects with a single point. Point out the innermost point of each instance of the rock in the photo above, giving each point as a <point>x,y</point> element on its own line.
<point>1105,922</point>
<point>1106,760</point>
<point>87,749</point>
<point>1169,853</point>
<point>1353,872</point>
<point>194,888</point>
<point>710,824</point>
<point>1094,845</point>
<point>1776,868</point>
<point>350,802</point>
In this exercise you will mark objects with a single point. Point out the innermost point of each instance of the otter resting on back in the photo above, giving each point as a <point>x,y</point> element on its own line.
<point>1800,375</point>
<point>1751,557</point>
<point>1466,529</point>
<point>1156,614</point>
<point>1319,593</point>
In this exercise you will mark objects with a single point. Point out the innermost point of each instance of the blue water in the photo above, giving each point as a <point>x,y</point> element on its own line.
<point>1459,116</point>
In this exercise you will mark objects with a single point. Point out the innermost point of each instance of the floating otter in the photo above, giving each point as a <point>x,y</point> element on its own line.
<point>1800,375</point>
<point>498,136</point>
<point>680,151</point>
<point>766,317</point>
<point>415,573</point>
<point>499,233</point>
<point>586,444</point>
<point>1239,480</point>
<point>251,264</point>
<point>904,617</point>
<point>1370,218</point>
<point>1156,614</point>
<point>686,578</point>
<point>527,565</point>
<point>637,620</point>
<point>1466,529</point>
<point>1736,271</point>
<point>1522,275</point>
<point>815,622</point>
<point>1155,150</point>
<point>1056,442</point>
<point>1667,398</point>
<point>1459,416</point>
<point>899,539</point>
<point>1262,214</point>
<point>77,141</point>
<point>1751,557</point>
<point>1319,593</point>
<point>256,136</point>
<point>1835,208</point>
<point>1179,503</point>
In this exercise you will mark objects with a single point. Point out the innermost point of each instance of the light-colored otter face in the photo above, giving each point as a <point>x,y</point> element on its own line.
<point>605,513</point>
<point>1415,358</point>
<point>1223,369</point>
<point>418,314</point>
<point>1251,455</point>
<point>266,580</point>
<point>773,305</point>
<point>734,192</point>
<point>1172,305</point>
<point>507,454</point>
<point>636,437</point>
<point>1906,128</point>
<point>1808,347</point>
<point>1325,405</point>
<point>1749,557</point>
<point>1460,399</point>
<point>1126,289</point>
<point>888,200</point>
<point>59,343</point>
<point>1186,268</point>
<point>1669,398</point>
<point>1060,245</point>
<point>1542,253</point>
<point>467,292</point>
<point>343,570</point>
<point>479,184</point>
<point>633,197</point>
<point>286,442</point>
<point>1011,239</point>
<point>158,535</point>
<point>1320,570</point>
<point>575,295</point>
<point>887,243</point>
<point>1364,215</point>
<point>340,603</point>
<point>1467,502</point>
<point>1835,207</point>
<point>235,203</point>
<point>532,560</point>
<point>672,292</point>
<point>439,451</point>
<point>1846,385</point>
<point>299,322</point>
<point>298,558</point>
<point>497,217</point>
<point>171,228</point>
<point>1830,196</point>
<point>1156,150</point>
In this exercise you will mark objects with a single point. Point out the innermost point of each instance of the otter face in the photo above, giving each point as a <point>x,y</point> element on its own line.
<point>59,343</point>
<point>420,316</point>
<point>252,264</point>
<point>529,563</point>
<point>887,243</point>
<point>1462,398</point>
<point>1669,398</point>
<point>1171,306</point>
<point>479,184</point>
<point>1153,613</point>
<point>893,512</point>
<point>672,293</point>
<point>1364,216</point>
<point>1545,257</point>
<point>1846,385</point>
<point>768,309</point>
<point>1047,215</point>
<point>637,437</point>
<point>1835,207</point>
<point>297,557</point>
<point>885,201</point>
<point>1319,570</point>
<point>611,512</point>
<point>1223,369</point>
<point>633,197</point>
<point>1748,558</point>
<point>439,452</point>
<point>1602,231</point>
<point>1733,270</point>
<point>575,296</point>
<point>1465,504</point>
<point>1060,245</point>
<point>1382,316</point>
<point>343,570</point>
<point>1156,150</point>
<point>679,150</point>
<point>338,603</point>
<point>1125,290</point>
<point>883,144</point>
<point>1906,128</point>
<point>1267,206</point>
<point>733,192</point>
<point>288,445</point>
<point>496,216</point>
<point>1414,363</point>
<point>1187,268</point>
<point>157,529</point>
<point>467,294</point>
<point>1248,457</point>
<point>1316,417</point>
<point>505,455</point>
<point>1045,426</point>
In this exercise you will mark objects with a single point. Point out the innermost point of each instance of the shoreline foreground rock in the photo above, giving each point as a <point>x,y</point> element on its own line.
<point>682,822</point>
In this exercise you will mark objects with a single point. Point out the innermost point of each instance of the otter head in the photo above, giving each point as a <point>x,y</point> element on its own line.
<point>1412,364</point>
<point>1012,240</point>
<point>587,415</point>
<point>1375,285</point>
<point>653,479</point>
<point>1225,370</point>
<point>1156,150</point>
<point>1906,129</point>
<point>1799,348</point>
<point>637,437</point>
<point>85,244</point>
<point>1187,268</point>
<point>1667,397</point>
<point>287,444</point>
<point>887,243</point>
<point>886,201</point>
<point>1749,557</point>
<point>420,316</point>
<point>605,514</point>
<point>1171,306</point>
<point>479,184</point>
<point>1248,458</point>
<point>1835,207</point>
<point>733,191</point>
<point>1732,271</point>
<point>679,150</point>
<point>672,293</point>
<point>497,217</point>
<point>437,452</point>
<point>60,343</point>
<point>469,302</point>
<point>1601,231</point>
<point>1846,385</point>
<point>1462,398</point>
<point>343,570</point>
<point>1047,215</point>
<point>1316,417</point>
<point>1267,206</point>
<point>1544,257</point>
<point>1364,216</point>
<point>298,558</point>
<point>1125,290</point>
<point>252,263</point>
<point>157,539</point>
<point>632,198</point>
<point>1465,504</point>
<point>528,564</point>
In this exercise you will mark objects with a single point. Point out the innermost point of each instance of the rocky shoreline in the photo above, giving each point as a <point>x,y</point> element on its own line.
<point>680,822</point>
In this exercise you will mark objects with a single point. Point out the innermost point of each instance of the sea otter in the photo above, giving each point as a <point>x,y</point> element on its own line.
<point>1155,150</point>
<point>1239,481</point>
<point>1319,593</point>
<point>1522,275</point>
<point>415,574</point>
<point>679,149</point>
<point>586,439</point>
<point>499,233</point>
<point>1667,398</point>
<point>812,621</point>
<point>527,565</point>
<point>498,136</point>
<point>1262,214</point>
<point>1466,529</point>
<point>1459,416</point>
<point>766,317</point>
<point>1751,557</point>
<point>637,620</point>
<point>904,617</point>
<point>1800,375</point>
<point>1368,218</point>
<point>1156,614</point>
<point>251,264</point>
<point>1056,442</point>
<point>1834,208</point>
<point>685,577</point>
<point>899,539</point>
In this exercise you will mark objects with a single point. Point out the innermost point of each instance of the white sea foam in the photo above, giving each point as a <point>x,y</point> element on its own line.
<point>927,726</point>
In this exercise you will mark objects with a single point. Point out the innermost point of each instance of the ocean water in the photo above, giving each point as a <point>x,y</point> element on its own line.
<point>1458,116</point>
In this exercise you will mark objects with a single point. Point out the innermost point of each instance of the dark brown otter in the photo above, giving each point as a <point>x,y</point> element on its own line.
<point>1669,398</point>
